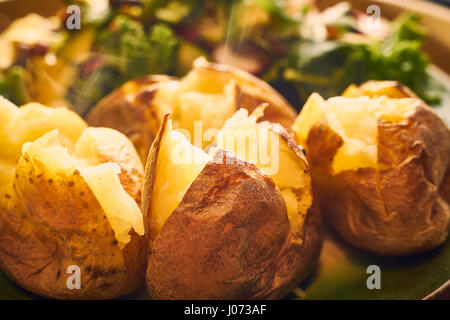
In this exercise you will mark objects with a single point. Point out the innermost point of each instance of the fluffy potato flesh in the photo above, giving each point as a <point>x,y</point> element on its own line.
<point>27,124</point>
<point>213,92</point>
<point>59,140</point>
<point>269,147</point>
<point>189,101</point>
<point>391,89</point>
<point>356,121</point>
<point>180,163</point>
<point>33,120</point>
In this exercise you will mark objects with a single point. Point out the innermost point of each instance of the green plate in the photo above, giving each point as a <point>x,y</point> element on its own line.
<point>342,273</point>
<point>342,269</point>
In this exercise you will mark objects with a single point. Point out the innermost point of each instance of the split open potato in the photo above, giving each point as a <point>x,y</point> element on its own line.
<point>69,200</point>
<point>236,221</point>
<point>378,162</point>
<point>210,93</point>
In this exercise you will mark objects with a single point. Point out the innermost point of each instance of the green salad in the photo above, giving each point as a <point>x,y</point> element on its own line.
<point>290,44</point>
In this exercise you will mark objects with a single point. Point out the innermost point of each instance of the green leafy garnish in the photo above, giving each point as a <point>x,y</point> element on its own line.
<point>127,51</point>
<point>12,85</point>
<point>328,67</point>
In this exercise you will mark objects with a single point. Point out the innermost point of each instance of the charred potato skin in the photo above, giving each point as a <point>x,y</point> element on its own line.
<point>236,219</point>
<point>394,211</point>
<point>52,221</point>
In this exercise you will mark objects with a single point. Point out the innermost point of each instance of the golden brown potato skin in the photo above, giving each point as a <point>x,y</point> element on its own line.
<point>130,108</point>
<point>52,221</point>
<point>445,187</point>
<point>394,211</point>
<point>229,238</point>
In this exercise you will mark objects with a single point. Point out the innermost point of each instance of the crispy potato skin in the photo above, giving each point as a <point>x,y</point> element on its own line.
<point>229,238</point>
<point>396,210</point>
<point>52,220</point>
<point>445,186</point>
<point>130,109</point>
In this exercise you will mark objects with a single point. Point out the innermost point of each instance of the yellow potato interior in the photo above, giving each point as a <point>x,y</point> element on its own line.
<point>391,89</point>
<point>100,145</point>
<point>211,109</point>
<point>61,141</point>
<point>205,80</point>
<point>8,112</point>
<point>192,100</point>
<point>177,166</point>
<point>57,154</point>
<point>356,121</point>
<point>30,122</point>
<point>257,143</point>
<point>20,125</point>
<point>122,211</point>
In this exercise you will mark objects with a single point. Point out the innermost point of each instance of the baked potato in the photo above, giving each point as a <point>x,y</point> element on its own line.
<point>210,93</point>
<point>70,196</point>
<point>378,161</point>
<point>222,227</point>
